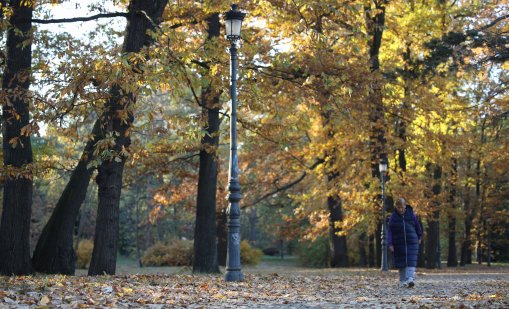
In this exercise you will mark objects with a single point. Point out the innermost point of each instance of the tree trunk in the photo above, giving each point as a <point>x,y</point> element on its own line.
<point>478,250</point>
<point>432,249</point>
<point>478,197</point>
<point>378,245</point>
<point>137,223</point>
<point>337,243</point>
<point>253,226</point>
<point>466,246</point>
<point>421,257</point>
<point>222,237</point>
<point>54,253</point>
<point>432,244</point>
<point>17,148</point>
<point>452,259</point>
<point>363,261</point>
<point>339,253</point>
<point>371,251</point>
<point>375,25</point>
<point>205,243</point>
<point>142,16</point>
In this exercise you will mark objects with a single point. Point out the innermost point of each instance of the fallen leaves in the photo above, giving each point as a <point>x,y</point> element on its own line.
<point>337,288</point>
<point>44,300</point>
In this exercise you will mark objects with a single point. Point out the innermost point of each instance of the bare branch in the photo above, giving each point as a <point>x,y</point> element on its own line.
<point>493,23</point>
<point>283,188</point>
<point>78,19</point>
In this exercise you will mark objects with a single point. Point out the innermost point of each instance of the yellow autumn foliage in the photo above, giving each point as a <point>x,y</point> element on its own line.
<point>84,253</point>
<point>176,253</point>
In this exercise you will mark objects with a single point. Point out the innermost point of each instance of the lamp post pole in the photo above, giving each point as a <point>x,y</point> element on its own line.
<point>233,268</point>
<point>383,170</point>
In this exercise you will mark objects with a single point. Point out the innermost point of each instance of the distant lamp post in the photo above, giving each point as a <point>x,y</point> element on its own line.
<point>233,21</point>
<point>383,170</point>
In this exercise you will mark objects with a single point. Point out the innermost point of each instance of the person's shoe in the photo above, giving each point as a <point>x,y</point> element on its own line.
<point>403,284</point>
<point>410,284</point>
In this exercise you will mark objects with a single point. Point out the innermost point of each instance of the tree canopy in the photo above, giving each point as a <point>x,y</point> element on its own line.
<point>326,90</point>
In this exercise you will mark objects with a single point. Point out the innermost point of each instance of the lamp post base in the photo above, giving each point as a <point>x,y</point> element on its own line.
<point>233,275</point>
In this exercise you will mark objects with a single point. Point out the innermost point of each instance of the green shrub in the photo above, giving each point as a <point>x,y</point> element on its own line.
<point>248,254</point>
<point>176,253</point>
<point>314,253</point>
<point>84,253</point>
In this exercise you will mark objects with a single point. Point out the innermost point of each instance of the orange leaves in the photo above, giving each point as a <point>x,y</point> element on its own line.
<point>319,224</point>
<point>261,287</point>
<point>161,199</point>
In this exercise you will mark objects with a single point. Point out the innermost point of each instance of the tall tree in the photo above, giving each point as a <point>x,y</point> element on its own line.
<point>338,245</point>
<point>54,252</point>
<point>144,16</point>
<point>375,24</point>
<point>17,148</point>
<point>452,259</point>
<point>205,245</point>
<point>433,236</point>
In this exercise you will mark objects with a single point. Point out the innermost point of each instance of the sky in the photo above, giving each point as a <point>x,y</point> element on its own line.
<point>77,8</point>
<point>80,30</point>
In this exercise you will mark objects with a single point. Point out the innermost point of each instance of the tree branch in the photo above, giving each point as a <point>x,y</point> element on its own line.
<point>283,188</point>
<point>493,23</point>
<point>286,186</point>
<point>78,19</point>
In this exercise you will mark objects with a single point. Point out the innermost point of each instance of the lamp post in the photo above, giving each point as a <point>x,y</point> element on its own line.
<point>383,170</point>
<point>233,21</point>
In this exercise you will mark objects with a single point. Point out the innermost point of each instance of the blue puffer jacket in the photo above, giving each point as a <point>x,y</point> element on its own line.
<point>404,234</point>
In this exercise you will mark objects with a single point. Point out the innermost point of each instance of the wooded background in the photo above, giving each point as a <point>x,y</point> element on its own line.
<point>121,136</point>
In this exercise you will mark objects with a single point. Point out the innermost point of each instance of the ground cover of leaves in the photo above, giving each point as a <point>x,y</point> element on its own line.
<point>331,288</point>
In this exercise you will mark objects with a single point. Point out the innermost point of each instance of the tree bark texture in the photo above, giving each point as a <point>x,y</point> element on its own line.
<point>222,237</point>
<point>466,246</point>
<point>479,205</point>
<point>17,149</point>
<point>452,258</point>
<point>54,253</point>
<point>378,245</point>
<point>205,244</point>
<point>432,248</point>
<point>143,15</point>
<point>338,246</point>
<point>421,257</point>
<point>363,261</point>
<point>375,25</point>
<point>371,250</point>
<point>339,253</point>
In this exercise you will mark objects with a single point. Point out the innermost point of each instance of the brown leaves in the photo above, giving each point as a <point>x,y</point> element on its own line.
<point>317,288</point>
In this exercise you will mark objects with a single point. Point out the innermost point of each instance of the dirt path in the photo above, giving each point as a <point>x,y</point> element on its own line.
<point>265,286</point>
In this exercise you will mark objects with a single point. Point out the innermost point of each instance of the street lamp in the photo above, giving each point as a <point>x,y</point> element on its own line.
<point>383,170</point>
<point>233,21</point>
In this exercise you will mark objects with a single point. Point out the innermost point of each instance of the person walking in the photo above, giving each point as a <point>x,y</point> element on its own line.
<point>404,237</point>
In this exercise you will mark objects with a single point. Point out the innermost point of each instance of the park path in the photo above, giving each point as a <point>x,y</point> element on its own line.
<point>265,286</point>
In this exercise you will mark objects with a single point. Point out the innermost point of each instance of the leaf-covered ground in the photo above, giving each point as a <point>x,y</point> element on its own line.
<point>292,288</point>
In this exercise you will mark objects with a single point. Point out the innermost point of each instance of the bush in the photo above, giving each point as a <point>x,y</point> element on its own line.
<point>84,253</point>
<point>314,253</point>
<point>271,251</point>
<point>176,253</point>
<point>248,254</point>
